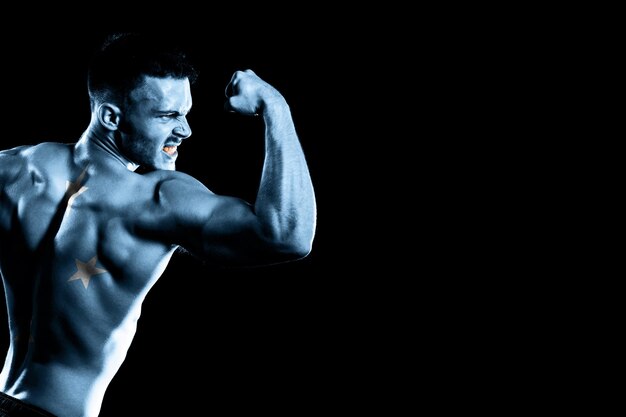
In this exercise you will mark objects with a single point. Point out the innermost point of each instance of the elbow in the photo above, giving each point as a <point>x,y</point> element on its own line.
<point>296,249</point>
<point>302,249</point>
<point>291,244</point>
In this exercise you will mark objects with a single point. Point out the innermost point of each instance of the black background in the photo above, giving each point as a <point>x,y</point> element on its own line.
<point>268,339</point>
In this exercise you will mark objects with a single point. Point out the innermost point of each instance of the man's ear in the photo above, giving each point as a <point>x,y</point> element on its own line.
<point>109,116</point>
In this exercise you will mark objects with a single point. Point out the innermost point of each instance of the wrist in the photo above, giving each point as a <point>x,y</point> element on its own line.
<point>274,103</point>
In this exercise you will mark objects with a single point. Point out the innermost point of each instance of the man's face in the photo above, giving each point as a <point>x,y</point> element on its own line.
<point>154,122</point>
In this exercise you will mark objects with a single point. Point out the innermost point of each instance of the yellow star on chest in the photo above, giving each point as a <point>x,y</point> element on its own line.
<point>85,270</point>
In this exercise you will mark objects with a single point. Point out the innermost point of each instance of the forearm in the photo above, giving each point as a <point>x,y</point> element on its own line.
<point>285,203</point>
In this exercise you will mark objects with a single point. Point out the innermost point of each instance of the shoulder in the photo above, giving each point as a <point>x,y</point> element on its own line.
<point>164,178</point>
<point>48,153</point>
<point>174,187</point>
<point>12,161</point>
<point>13,151</point>
<point>39,157</point>
<point>15,154</point>
<point>39,154</point>
<point>37,150</point>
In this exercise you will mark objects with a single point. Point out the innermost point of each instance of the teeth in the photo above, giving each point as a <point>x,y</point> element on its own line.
<point>170,150</point>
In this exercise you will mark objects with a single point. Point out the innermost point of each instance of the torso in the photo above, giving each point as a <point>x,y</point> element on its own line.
<point>75,274</point>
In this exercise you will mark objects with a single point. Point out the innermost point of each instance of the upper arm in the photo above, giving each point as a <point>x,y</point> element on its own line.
<point>220,229</point>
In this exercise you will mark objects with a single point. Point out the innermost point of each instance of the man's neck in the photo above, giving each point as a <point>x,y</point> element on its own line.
<point>100,147</point>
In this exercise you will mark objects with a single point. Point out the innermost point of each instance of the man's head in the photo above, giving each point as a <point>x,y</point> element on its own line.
<point>139,89</point>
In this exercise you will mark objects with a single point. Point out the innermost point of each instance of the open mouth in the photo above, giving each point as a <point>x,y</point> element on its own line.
<point>170,150</point>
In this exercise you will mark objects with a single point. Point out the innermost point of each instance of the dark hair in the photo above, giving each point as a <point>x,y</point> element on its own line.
<point>124,59</point>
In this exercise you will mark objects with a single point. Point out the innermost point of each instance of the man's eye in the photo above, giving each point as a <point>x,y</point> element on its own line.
<point>169,116</point>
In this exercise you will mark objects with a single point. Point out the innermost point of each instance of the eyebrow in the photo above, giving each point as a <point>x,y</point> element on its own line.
<point>176,112</point>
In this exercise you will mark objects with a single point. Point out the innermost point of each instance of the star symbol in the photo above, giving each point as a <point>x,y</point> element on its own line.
<point>85,270</point>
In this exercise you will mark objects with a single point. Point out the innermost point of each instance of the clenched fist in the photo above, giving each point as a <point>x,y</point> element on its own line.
<point>248,94</point>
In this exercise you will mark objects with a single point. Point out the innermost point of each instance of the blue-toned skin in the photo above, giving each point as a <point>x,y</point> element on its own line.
<point>83,237</point>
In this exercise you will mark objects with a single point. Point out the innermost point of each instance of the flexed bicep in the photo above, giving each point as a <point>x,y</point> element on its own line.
<point>219,229</point>
<point>232,234</point>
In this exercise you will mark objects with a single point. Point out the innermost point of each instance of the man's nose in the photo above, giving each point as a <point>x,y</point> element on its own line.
<point>183,130</point>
